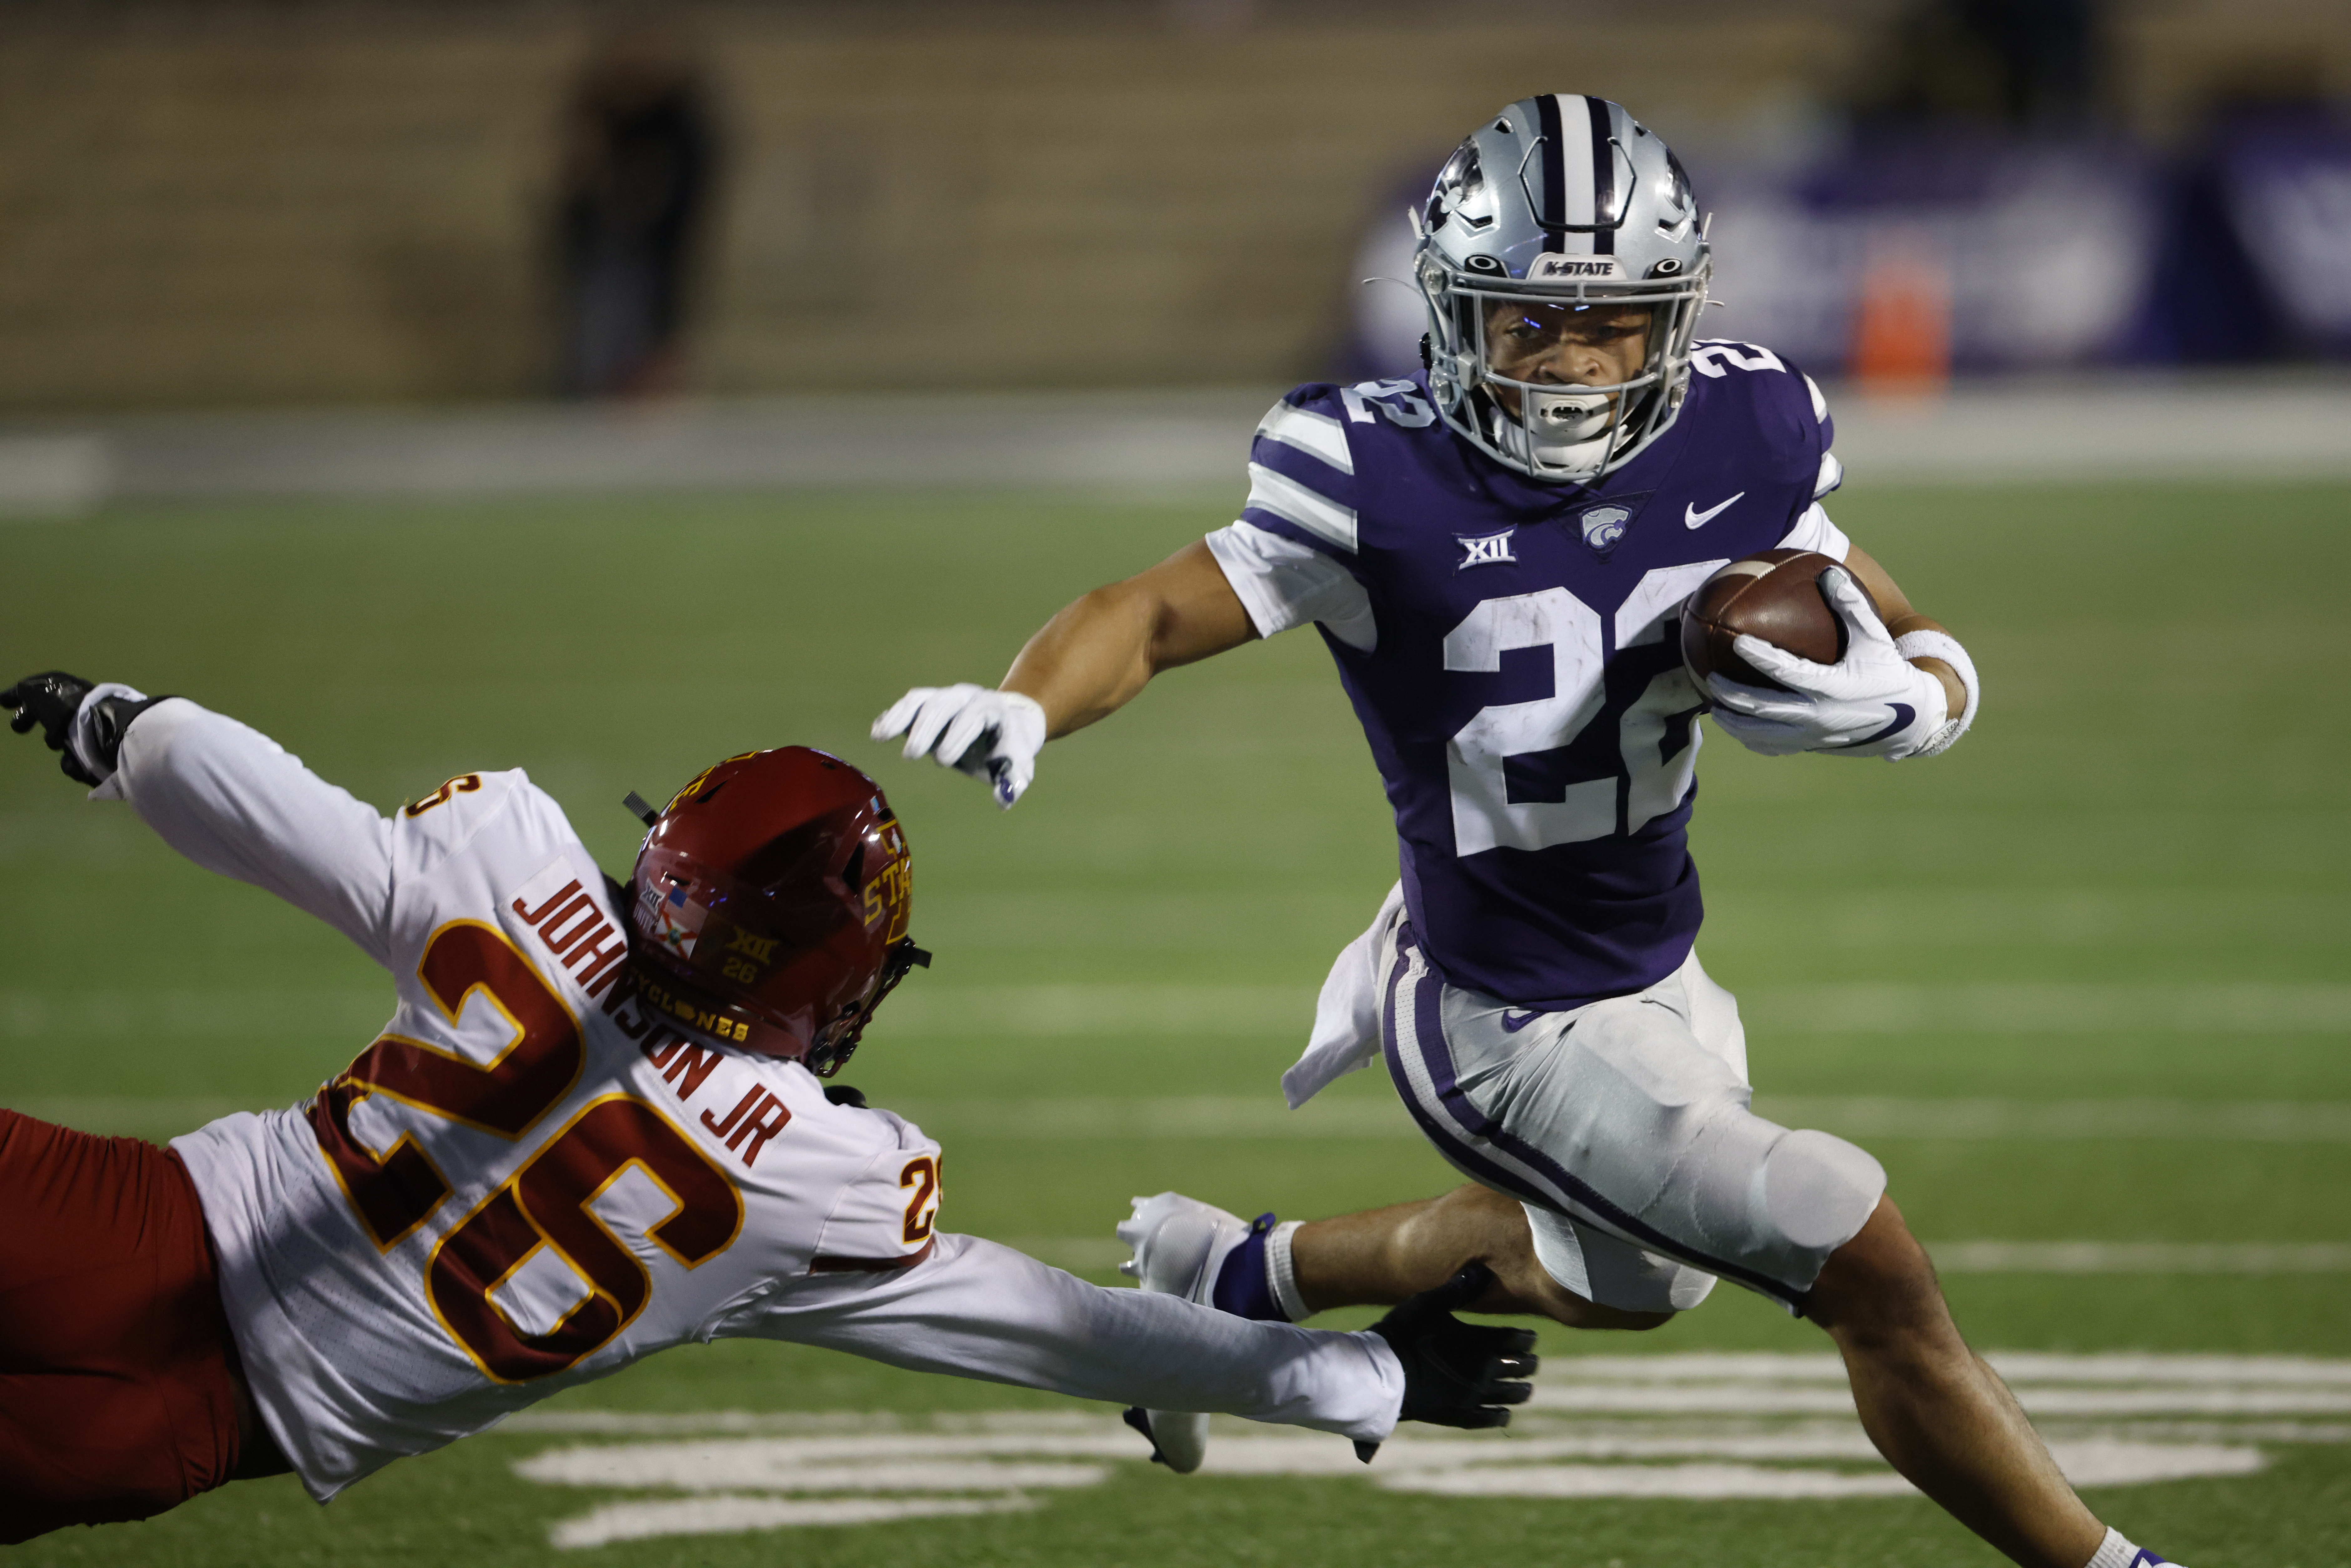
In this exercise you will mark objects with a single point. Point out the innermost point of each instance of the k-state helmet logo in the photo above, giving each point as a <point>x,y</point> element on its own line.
<point>1574,269</point>
<point>1485,550</point>
<point>1603,526</point>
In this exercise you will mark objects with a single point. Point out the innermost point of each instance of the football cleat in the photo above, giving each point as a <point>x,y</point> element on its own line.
<point>1179,1244</point>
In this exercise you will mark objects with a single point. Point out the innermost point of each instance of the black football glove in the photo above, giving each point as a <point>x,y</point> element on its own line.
<point>51,699</point>
<point>1455,1373</point>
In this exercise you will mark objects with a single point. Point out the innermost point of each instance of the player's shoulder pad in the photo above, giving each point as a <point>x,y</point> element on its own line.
<point>521,819</point>
<point>464,800</point>
<point>884,1219</point>
<point>1302,470</point>
<point>1782,405</point>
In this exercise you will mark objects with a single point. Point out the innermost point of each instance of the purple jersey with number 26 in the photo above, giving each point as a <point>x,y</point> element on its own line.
<point>1513,654</point>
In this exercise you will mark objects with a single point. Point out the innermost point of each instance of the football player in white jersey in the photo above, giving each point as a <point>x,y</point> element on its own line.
<point>594,1128</point>
<point>1495,551</point>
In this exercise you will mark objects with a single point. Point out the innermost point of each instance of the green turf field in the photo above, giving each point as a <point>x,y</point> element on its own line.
<point>2080,982</point>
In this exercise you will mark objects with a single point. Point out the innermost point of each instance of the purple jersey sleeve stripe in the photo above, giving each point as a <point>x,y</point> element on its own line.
<point>1257,517</point>
<point>1310,431</point>
<point>1314,472</point>
<point>1273,494</point>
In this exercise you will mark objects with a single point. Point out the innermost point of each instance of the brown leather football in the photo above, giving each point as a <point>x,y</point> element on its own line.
<point>1776,596</point>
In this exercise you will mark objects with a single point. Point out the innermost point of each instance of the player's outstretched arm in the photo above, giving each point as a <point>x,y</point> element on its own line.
<point>1086,663</point>
<point>975,1309</point>
<point>225,796</point>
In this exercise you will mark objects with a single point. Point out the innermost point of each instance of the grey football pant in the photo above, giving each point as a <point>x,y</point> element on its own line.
<point>1624,1127</point>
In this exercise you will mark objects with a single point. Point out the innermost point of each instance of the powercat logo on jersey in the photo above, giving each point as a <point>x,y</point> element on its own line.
<point>569,921</point>
<point>1574,269</point>
<point>1603,526</point>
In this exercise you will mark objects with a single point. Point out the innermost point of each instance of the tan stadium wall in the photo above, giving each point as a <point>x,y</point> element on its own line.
<point>346,203</point>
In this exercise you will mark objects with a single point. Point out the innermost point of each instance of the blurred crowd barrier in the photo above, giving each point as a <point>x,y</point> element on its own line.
<point>1904,259</point>
<point>367,202</point>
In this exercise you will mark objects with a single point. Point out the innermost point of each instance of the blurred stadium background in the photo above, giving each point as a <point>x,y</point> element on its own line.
<point>599,391</point>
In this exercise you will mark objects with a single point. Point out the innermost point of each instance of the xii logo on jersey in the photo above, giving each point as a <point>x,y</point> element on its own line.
<point>1486,549</point>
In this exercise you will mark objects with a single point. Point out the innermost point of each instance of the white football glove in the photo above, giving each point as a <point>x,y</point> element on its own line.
<point>988,734</point>
<point>1871,703</point>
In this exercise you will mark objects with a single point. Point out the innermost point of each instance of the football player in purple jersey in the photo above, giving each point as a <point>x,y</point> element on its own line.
<point>1497,551</point>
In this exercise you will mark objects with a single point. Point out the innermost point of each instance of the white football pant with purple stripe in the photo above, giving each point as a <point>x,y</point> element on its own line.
<point>1624,1127</point>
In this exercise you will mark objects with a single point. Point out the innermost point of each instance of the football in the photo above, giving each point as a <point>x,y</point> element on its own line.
<point>1776,596</point>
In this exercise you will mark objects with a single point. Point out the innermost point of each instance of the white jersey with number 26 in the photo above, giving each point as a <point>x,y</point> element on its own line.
<point>526,1182</point>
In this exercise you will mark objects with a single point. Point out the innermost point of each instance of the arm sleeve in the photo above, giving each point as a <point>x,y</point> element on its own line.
<point>974,1309</point>
<point>234,801</point>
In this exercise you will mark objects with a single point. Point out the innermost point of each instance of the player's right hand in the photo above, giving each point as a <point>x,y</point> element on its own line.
<point>1456,1374</point>
<point>988,734</point>
<point>51,699</point>
<point>80,721</point>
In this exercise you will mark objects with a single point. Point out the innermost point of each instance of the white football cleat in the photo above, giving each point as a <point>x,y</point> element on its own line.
<point>1179,1244</point>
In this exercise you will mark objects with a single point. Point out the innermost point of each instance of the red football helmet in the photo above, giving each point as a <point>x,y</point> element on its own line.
<point>770,905</point>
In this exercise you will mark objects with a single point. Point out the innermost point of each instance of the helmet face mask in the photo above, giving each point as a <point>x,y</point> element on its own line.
<point>770,906</point>
<point>1564,211</point>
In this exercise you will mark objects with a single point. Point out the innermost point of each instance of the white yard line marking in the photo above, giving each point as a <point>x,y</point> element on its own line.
<point>1220,1117</point>
<point>1178,1009</point>
<point>1096,1254</point>
<point>725,1515</point>
<point>193,1015</point>
<point>2141,1258</point>
<point>1855,1116</point>
<point>2067,1121</point>
<point>1696,1427</point>
<point>1864,1007</point>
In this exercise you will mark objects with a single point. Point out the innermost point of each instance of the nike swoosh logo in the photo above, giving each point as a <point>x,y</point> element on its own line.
<point>1694,519</point>
<point>1905,716</point>
<point>1512,1025</point>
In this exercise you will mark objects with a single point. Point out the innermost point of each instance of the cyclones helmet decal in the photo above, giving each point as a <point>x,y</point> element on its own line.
<point>769,906</point>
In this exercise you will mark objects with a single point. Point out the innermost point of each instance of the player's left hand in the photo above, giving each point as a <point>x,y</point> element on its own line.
<point>1871,703</point>
<point>1455,1373</point>
<point>86,735</point>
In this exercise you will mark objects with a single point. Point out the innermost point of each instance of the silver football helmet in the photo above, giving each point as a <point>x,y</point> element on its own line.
<point>1559,206</point>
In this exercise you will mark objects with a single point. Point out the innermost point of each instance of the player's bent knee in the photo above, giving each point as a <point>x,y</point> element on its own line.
<point>1880,1279</point>
<point>1815,1192</point>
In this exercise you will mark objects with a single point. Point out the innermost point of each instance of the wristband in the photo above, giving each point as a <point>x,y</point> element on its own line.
<point>1944,646</point>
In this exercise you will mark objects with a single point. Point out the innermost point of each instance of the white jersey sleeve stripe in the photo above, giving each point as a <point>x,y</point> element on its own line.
<point>1287,498</point>
<point>1316,435</point>
<point>1814,532</point>
<point>1284,584</point>
<point>1820,403</point>
<point>1831,476</point>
